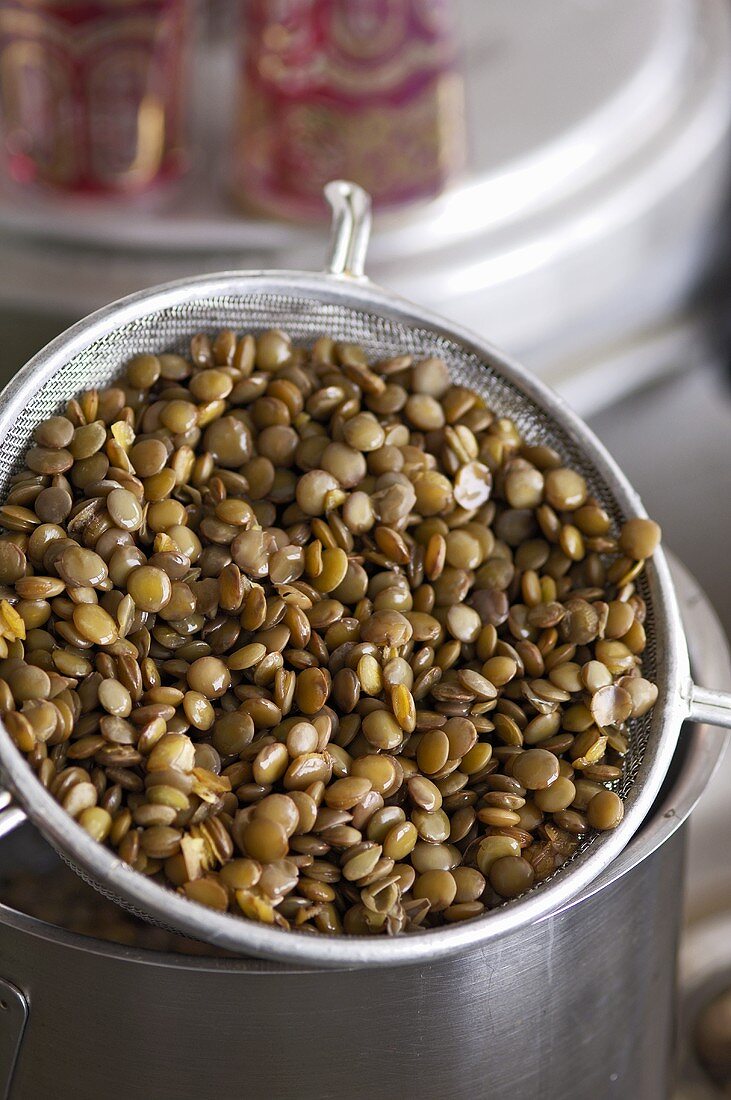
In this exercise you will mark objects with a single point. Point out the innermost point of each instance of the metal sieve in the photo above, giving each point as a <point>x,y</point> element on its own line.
<point>343,303</point>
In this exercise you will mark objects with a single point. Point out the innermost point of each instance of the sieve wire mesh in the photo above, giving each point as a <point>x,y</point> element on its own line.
<point>305,318</point>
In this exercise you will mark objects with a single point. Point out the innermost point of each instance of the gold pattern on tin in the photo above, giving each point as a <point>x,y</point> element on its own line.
<point>420,138</point>
<point>139,152</point>
<point>358,34</point>
<point>341,76</point>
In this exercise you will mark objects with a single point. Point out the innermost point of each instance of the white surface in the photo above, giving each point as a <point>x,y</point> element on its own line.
<point>595,381</point>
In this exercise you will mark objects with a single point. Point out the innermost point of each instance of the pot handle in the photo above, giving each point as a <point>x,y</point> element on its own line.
<point>10,816</point>
<point>351,228</point>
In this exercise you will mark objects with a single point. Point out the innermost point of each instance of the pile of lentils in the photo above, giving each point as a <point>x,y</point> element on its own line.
<point>320,641</point>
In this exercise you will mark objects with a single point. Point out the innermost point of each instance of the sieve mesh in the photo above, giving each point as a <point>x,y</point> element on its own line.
<point>306,317</point>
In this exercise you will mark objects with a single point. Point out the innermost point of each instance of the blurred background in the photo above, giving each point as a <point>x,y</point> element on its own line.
<point>555,176</point>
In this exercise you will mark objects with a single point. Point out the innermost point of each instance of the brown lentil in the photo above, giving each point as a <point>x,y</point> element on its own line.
<point>535,769</point>
<point>605,810</point>
<point>437,887</point>
<point>639,538</point>
<point>511,876</point>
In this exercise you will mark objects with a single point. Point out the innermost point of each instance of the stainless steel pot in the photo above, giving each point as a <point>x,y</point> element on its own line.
<point>578,1004</point>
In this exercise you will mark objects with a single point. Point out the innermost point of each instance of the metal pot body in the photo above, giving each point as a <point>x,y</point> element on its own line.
<point>568,1008</point>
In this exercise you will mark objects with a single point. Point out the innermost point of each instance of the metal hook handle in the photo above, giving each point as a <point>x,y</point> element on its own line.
<point>711,707</point>
<point>702,705</point>
<point>351,228</point>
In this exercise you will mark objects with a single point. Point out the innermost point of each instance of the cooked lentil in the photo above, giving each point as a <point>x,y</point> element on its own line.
<point>322,643</point>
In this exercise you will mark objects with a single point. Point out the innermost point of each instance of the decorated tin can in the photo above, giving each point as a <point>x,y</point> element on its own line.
<point>368,90</point>
<point>93,92</point>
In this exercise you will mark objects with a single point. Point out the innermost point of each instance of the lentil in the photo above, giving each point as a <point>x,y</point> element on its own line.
<point>639,538</point>
<point>605,810</point>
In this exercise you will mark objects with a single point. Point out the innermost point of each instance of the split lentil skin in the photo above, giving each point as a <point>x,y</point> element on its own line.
<point>319,641</point>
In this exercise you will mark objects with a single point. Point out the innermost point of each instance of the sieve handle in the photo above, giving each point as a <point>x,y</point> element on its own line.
<point>10,816</point>
<point>713,708</point>
<point>351,228</point>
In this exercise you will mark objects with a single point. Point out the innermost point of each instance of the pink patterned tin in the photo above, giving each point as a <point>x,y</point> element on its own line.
<point>367,90</point>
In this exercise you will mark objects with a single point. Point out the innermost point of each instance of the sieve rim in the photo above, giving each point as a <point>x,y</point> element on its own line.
<point>101,866</point>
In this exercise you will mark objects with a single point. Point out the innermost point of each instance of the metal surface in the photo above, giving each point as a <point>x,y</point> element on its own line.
<point>350,309</point>
<point>545,1010</point>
